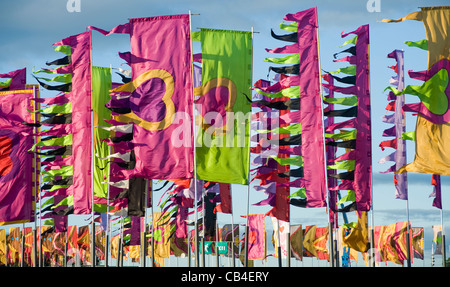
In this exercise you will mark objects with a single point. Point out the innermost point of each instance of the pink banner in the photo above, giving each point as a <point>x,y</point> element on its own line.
<point>161,97</point>
<point>16,164</point>
<point>256,237</point>
<point>80,96</point>
<point>311,116</point>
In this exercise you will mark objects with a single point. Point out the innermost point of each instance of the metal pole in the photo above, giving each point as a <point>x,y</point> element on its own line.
<point>248,185</point>
<point>195,153</point>
<point>92,191</point>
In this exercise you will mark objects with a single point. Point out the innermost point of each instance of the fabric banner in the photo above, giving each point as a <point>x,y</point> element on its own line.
<point>279,236</point>
<point>222,144</point>
<point>311,116</point>
<point>161,233</point>
<point>16,164</point>
<point>101,84</point>
<point>160,96</point>
<point>256,237</point>
<point>432,147</point>
<point>296,241</point>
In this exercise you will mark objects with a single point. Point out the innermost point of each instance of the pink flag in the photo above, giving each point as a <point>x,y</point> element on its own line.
<point>256,237</point>
<point>80,96</point>
<point>161,97</point>
<point>18,79</point>
<point>311,116</point>
<point>16,164</point>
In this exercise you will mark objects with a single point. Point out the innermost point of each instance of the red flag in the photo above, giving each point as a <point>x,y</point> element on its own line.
<point>225,199</point>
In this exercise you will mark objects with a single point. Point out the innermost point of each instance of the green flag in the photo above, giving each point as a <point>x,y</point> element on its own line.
<point>101,84</point>
<point>222,142</point>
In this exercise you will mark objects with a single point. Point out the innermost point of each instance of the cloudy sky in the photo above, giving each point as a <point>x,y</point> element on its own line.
<point>30,27</point>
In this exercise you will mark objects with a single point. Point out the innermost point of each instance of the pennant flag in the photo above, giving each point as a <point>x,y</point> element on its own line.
<point>222,145</point>
<point>418,242</point>
<point>357,142</point>
<point>75,139</point>
<point>16,164</point>
<point>437,239</point>
<point>296,241</point>
<point>431,153</point>
<point>398,130</point>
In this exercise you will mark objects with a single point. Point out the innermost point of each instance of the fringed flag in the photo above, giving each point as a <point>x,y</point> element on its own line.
<point>355,133</point>
<point>432,154</point>
<point>295,102</point>
<point>222,144</point>
<point>68,147</point>
<point>397,118</point>
<point>16,164</point>
<point>158,98</point>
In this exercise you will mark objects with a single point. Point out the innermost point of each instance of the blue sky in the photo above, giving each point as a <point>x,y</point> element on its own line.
<point>29,27</point>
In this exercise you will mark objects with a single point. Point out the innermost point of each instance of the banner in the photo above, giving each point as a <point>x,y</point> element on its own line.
<point>16,164</point>
<point>222,144</point>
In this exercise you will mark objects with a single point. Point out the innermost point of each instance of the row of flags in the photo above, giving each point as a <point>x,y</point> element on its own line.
<point>186,119</point>
<point>65,248</point>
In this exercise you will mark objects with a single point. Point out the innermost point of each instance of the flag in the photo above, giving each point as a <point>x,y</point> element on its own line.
<point>432,152</point>
<point>222,145</point>
<point>320,243</point>
<point>256,237</point>
<point>418,242</point>
<point>161,234</point>
<point>83,244</point>
<point>16,80</point>
<point>160,102</point>
<point>75,139</point>
<point>16,164</point>
<point>437,239</point>
<point>398,119</point>
<point>357,238</point>
<point>101,84</point>
<point>279,236</point>
<point>296,241</point>
<point>358,156</point>
<point>309,235</point>
<point>436,182</point>
<point>3,247</point>
<point>225,205</point>
<point>231,235</point>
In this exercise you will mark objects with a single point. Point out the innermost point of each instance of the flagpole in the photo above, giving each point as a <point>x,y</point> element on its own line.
<point>330,225</point>
<point>194,150</point>
<point>248,176</point>
<point>232,230</point>
<point>35,130</point>
<point>443,234</point>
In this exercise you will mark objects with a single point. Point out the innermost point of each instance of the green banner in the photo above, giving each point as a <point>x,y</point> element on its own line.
<point>101,84</point>
<point>222,142</point>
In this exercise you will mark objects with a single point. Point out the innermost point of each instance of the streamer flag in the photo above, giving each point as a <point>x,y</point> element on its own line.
<point>432,153</point>
<point>71,138</point>
<point>398,119</point>
<point>222,144</point>
<point>159,96</point>
<point>357,161</point>
<point>16,164</point>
